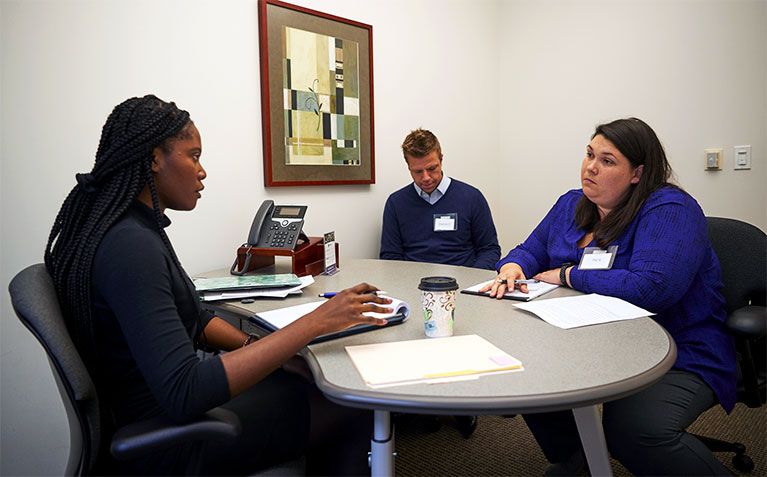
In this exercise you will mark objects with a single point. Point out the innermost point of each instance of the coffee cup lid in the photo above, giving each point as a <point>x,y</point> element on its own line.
<point>438,284</point>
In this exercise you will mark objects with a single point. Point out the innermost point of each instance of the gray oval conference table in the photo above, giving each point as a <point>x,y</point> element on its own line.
<point>576,369</point>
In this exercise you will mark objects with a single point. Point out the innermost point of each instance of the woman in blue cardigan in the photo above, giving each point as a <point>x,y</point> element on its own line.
<point>663,262</point>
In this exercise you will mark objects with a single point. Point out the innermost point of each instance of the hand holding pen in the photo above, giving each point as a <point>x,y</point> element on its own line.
<point>510,276</point>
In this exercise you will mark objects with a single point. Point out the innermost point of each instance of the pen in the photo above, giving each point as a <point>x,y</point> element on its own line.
<point>518,282</point>
<point>332,294</point>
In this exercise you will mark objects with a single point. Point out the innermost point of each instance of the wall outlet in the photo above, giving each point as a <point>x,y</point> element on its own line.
<point>742,158</point>
<point>713,159</point>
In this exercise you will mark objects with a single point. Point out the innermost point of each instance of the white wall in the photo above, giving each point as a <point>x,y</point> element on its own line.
<point>67,63</point>
<point>513,89</point>
<point>694,70</point>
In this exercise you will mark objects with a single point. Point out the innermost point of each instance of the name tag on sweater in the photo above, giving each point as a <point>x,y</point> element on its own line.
<point>595,258</point>
<point>445,222</point>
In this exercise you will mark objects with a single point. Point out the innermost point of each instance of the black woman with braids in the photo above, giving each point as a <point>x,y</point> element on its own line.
<point>135,318</point>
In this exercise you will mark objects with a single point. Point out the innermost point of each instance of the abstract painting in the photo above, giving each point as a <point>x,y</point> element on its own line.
<point>321,94</point>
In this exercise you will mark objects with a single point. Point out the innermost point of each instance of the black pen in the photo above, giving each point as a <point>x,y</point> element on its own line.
<point>518,282</point>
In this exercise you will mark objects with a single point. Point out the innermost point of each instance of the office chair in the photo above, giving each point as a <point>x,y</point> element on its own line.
<point>34,300</point>
<point>742,252</point>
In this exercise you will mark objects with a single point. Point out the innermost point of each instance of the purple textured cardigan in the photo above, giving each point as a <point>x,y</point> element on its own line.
<point>665,264</point>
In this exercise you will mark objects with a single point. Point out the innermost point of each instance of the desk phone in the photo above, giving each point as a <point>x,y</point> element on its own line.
<point>277,226</point>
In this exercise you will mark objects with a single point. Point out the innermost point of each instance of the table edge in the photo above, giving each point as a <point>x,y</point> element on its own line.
<point>533,403</point>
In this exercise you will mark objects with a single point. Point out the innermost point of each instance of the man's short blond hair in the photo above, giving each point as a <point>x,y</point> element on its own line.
<point>420,143</point>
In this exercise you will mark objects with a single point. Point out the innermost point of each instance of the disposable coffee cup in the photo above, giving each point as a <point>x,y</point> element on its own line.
<point>438,300</point>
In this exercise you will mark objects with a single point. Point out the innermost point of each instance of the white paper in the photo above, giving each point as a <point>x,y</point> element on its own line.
<point>583,310</point>
<point>535,290</point>
<point>260,292</point>
<point>429,360</point>
<point>282,317</point>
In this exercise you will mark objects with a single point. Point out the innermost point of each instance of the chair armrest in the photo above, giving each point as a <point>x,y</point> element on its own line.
<point>159,433</point>
<point>747,322</point>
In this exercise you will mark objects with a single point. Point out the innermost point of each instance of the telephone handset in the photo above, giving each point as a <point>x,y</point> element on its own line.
<point>275,226</point>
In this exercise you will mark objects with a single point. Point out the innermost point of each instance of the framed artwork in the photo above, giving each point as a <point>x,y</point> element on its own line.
<point>316,97</point>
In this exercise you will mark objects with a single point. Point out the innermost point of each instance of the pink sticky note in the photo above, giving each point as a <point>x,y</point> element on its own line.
<point>502,360</point>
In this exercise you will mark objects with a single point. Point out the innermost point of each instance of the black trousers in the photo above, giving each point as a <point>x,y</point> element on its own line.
<point>284,417</point>
<point>275,421</point>
<point>644,431</point>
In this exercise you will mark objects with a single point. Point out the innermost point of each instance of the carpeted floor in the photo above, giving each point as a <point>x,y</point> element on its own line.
<point>504,446</point>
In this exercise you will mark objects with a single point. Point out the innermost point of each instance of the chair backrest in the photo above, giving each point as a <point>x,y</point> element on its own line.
<point>34,300</point>
<point>742,252</point>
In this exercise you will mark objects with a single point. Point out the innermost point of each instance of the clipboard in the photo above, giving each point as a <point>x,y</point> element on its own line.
<point>271,321</point>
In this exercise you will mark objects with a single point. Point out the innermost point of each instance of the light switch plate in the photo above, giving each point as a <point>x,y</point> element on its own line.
<point>742,158</point>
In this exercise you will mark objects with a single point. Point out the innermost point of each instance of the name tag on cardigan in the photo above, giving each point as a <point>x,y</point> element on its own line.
<point>595,258</point>
<point>445,222</point>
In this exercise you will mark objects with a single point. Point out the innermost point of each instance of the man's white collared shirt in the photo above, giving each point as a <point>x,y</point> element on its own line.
<point>437,193</point>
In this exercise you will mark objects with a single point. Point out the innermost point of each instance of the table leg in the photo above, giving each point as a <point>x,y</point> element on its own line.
<point>593,440</point>
<point>382,445</point>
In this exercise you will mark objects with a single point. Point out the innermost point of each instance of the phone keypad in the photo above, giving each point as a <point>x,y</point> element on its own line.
<point>282,235</point>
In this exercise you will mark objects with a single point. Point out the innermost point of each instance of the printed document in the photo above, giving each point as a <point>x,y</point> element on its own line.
<point>583,310</point>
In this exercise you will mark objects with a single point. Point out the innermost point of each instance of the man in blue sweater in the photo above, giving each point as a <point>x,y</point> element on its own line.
<point>437,219</point>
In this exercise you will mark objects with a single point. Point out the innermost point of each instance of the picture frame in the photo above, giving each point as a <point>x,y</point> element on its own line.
<point>316,97</point>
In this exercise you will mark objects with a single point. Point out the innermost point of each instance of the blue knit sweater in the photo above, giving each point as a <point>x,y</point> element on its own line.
<point>408,228</point>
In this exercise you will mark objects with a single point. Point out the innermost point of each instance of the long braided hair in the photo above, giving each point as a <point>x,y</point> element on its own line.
<point>121,171</point>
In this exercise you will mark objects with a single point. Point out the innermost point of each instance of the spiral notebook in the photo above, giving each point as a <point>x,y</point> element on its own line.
<point>274,320</point>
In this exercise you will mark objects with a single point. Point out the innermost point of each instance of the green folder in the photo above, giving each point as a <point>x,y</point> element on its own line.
<point>222,284</point>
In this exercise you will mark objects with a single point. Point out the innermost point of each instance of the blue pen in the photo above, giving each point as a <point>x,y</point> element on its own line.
<point>332,294</point>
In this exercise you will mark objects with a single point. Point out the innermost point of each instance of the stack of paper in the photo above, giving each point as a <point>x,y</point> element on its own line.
<point>231,288</point>
<point>429,360</point>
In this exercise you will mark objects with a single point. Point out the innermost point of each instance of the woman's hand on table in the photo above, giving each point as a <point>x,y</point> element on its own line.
<point>504,282</point>
<point>347,309</point>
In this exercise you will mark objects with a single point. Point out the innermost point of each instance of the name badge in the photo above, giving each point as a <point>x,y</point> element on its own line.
<point>445,222</point>
<point>595,258</point>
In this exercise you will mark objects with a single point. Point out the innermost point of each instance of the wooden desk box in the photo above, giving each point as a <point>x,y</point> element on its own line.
<point>307,258</point>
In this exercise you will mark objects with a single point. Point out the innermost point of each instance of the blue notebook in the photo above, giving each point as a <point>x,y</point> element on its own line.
<point>274,320</point>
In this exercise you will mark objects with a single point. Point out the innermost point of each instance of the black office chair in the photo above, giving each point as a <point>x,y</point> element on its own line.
<point>33,297</point>
<point>742,252</point>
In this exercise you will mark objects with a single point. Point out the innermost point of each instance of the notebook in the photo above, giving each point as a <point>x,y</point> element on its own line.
<point>535,290</point>
<point>274,320</point>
